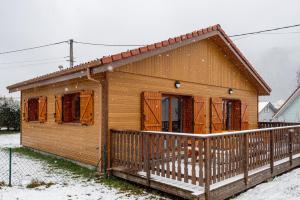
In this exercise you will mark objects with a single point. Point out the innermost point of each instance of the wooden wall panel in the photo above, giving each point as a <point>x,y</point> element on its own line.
<point>72,141</point>
<point>203,69</point>
<point>125,97</point>
<point>202,62</point>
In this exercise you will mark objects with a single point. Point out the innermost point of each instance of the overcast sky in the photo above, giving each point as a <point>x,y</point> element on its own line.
<point>33,22</point>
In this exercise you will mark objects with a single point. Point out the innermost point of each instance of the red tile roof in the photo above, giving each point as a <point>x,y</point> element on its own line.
<point>141,50</point>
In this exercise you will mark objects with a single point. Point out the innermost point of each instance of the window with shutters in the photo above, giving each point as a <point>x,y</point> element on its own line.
<point>71,108</point>
<point>33,109</point>
<point>77,107</point>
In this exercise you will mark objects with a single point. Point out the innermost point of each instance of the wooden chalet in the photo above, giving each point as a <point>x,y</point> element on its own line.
<point>197,83</point>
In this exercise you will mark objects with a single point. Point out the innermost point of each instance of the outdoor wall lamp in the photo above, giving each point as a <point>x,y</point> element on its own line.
<point>230,91</point>
<point>177,84</point>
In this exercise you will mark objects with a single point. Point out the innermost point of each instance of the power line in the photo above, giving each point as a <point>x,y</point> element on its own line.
<point>32,64</point>
<point>267,30</point>
<point>31,48</point>
<point>109,45</point>
<point>30,61</point>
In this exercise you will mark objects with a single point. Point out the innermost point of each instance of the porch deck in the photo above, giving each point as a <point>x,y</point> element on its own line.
<point>204,166</point>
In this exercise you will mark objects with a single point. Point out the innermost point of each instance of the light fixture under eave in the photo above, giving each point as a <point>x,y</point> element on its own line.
<point>177,84</point>
<point>230,91</point>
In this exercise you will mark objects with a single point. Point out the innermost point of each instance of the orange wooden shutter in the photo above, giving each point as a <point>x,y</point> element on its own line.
<point>244,116</point>
<point>86,107</point>
<point>151,111</point>
<point>25,110</point>
<point>216,115</point>
<point>199,115</point>
<point>58,109</point>
<point>42,109</point>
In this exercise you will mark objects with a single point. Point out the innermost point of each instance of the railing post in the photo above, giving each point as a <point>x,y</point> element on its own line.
<point>271,151</point>
<point>291,131</point>
<point>109,159</point>
<point>10,162</point>
<point>147,157</point>
<point>207,169</point>
<point>246,158</point>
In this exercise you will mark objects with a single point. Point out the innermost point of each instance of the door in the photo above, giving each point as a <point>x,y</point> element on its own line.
<point>177,113</point>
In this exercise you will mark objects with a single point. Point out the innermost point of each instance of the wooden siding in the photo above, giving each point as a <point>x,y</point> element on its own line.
<point>203,70</point>
<point>73,141</point>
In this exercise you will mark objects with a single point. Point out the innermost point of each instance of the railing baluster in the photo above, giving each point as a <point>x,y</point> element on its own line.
<point>207,168</point>
<point>272,151</point>
<point>193,162</point>
<point>168,146</point>
<point>178,158</point>
<point>200,161</point>
<point>173,157</point>
<point>246,157</point>
<point>290,145</point>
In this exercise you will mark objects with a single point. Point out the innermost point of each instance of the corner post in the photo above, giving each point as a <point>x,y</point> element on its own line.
<point>207,169</point>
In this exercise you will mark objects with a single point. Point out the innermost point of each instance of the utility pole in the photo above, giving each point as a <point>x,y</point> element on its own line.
<point>71,53</point>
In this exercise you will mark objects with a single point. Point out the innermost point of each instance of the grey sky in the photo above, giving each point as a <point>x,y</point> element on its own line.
<point>33,22</point>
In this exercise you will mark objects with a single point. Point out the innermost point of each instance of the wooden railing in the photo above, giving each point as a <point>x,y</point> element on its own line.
<point>202,159</point>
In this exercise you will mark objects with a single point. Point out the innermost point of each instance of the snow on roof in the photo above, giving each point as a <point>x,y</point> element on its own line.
<point>262,105</point>
<point>278,103</point>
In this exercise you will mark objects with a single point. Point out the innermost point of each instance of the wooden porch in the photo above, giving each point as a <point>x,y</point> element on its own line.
<point>204,166</point>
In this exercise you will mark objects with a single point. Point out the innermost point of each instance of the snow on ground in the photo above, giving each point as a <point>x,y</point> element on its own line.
<point>284,187</point>
<point>67,185</point>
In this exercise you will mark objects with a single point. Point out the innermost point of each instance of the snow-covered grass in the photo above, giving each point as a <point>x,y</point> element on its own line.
<point>68,184</point>
<point>284,187</point>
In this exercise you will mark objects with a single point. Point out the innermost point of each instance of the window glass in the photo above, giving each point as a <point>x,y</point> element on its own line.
<point>71,107</point>
<point>176,116</point>
<point>33,109</point>
<point>165,113</point>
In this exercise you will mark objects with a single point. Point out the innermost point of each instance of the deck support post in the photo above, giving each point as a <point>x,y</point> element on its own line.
<point>246,158</point>
<point>147,156</point>
<point>207,168</point>
<point>291,131</point>
<point>272,151</point>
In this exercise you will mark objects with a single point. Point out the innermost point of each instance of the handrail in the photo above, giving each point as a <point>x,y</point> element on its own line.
<point>217,134</point>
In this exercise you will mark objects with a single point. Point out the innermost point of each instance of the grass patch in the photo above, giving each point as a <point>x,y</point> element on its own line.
<point>122,185</point>
<point>2,184</point>
<point>36,183</point>
<point>8,132</point>
<point>57,162</point>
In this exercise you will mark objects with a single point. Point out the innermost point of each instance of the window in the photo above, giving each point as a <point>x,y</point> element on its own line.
<point>177,113</point>
<point>77,107</point>
<point>71,107</point>
<point>267,109</point>
<point>33,109</point>
<point>231,114</point>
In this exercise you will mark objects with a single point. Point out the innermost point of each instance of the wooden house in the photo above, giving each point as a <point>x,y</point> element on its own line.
<point>290,109</point>
<point>266,111</point>
<point>194,83</point>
